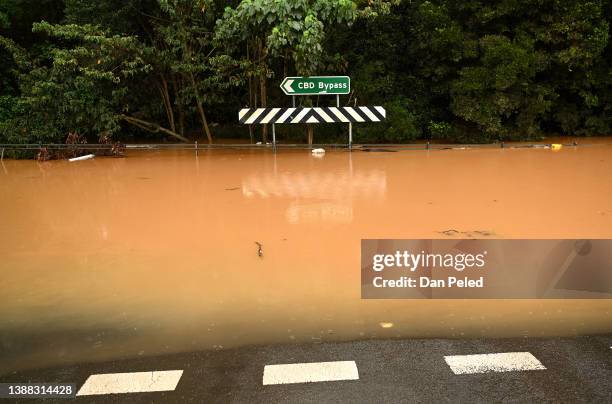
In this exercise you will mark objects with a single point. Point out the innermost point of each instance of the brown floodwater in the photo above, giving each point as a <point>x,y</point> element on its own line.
<point>156,252</point>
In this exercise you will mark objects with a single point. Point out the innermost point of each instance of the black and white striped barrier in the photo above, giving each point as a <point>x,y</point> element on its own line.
<point>250,116</point>
<point>350,115</point>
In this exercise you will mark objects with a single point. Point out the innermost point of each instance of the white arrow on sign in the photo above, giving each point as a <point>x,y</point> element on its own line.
<point>287,86</point>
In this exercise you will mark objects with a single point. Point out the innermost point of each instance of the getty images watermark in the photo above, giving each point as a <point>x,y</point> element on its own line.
<point>488,268</point>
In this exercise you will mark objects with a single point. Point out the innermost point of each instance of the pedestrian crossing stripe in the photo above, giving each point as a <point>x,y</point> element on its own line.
<point>250,116</point>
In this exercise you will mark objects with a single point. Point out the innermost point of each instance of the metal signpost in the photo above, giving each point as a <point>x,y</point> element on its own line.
<point>318,85</point>
<point>313,85</point>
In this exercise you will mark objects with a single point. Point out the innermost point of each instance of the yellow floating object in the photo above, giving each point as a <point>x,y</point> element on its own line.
<point>556,146</point>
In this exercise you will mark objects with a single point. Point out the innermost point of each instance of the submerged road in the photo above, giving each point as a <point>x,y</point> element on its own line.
<point>377,371</point>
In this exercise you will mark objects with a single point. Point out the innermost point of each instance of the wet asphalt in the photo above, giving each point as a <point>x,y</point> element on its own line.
<point>578,370</point>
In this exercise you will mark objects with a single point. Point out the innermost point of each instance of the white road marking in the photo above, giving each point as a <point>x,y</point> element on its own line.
<point>496,362</point>
<point>136,382</point>
<point>310,372</point>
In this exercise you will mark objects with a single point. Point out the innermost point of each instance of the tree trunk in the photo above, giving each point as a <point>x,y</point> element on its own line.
<point>179,104</point>
<point>264,104</point>
<point>251,101</point>
<point>263,90</point>
<point>201,109</point>
<point>167,103</point>
<point>152,127</point>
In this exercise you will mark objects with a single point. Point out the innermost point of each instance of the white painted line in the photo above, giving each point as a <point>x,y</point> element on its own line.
<point>136,382</point>
<point>310,372</point>
<point>300,115</point>
<point>339,114</point>
<point>323,115</point>
<point>270,115</point>
<point>497,362</point>
<point>369,113</point>
<point>255,115</point>
<point>285,115</point>
<point>354,114</point>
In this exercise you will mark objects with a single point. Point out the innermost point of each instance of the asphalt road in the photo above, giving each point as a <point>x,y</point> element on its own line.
<point>578,370</point>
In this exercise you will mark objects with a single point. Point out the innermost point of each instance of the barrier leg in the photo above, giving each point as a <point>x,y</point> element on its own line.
<point>273,138</point>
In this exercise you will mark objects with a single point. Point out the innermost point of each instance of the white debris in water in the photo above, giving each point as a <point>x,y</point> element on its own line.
<point>86,157</point>
<point>258,143</point>
<point>318,151</point>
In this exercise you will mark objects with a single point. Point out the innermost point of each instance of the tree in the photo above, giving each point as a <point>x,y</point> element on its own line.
<point>83,86</point>
<point>276,31</point>
<point>187,48</point>
<point>520,67</point>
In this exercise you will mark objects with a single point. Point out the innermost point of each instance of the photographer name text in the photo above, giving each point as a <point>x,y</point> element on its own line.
<point>411,262</point>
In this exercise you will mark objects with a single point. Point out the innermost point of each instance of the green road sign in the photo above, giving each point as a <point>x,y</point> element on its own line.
<point>316,85</point>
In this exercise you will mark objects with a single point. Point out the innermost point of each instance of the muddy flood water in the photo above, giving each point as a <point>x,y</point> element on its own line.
<point>156,253</point>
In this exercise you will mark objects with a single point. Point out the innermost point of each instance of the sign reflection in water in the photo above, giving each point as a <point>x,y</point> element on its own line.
<point>318,196</point>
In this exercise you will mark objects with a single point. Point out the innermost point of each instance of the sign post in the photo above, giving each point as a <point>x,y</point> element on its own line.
<point>318,85</point>
<point>313,85</point>
<point>273,138</point>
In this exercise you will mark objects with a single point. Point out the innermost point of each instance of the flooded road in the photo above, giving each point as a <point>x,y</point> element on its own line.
<point>157,252</point>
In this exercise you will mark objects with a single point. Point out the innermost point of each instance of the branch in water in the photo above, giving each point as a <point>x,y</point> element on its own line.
<point>152,127</point>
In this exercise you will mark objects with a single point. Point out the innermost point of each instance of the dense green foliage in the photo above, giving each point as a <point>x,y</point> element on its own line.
<point>472,71</point>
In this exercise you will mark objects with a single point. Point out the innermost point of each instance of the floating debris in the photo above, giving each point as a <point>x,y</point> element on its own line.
<point>386,325</point>
<point>232,189</point>
<point>259,249</point>
<point>453,232</point>
<point>483,233</point>
<point>379,150</point>
<point>85,157</point>
<point>318,151</point>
